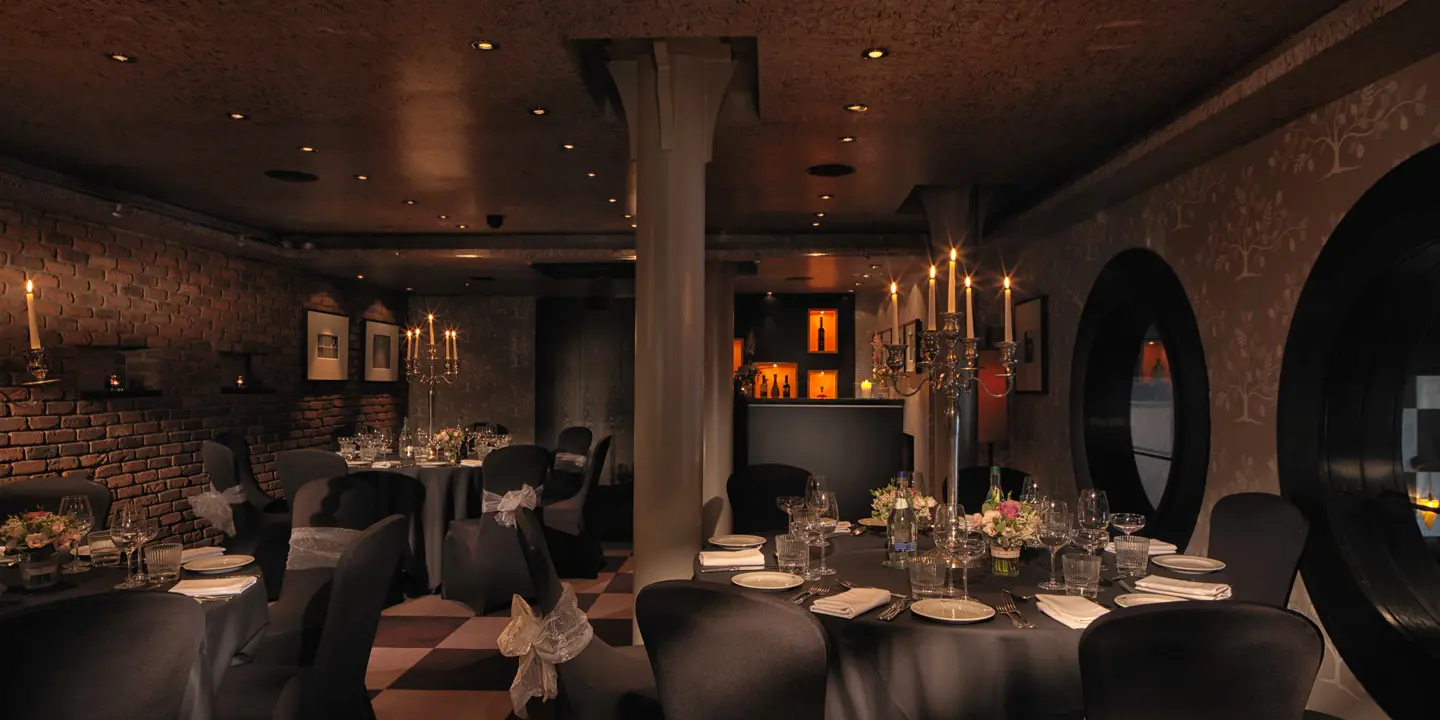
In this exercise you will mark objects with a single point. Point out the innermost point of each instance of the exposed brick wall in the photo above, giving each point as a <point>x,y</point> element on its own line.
<point>98,286</point>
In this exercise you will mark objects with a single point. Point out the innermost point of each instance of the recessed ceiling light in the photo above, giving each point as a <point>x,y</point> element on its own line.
<point>613,200</point>
<point>538,111</point>
<point>362,177</point>
<point>483,45</point>
<point>409,289</point>
<point>875,53</point>
<point>362,277</point>
<point>820,214</point>
<point>816,224</point>
<point>628,216</point>
<point>568,146</point>
<point>408,202</point>
<point>814,254</point>
<point>857,107</point>
<point>827,197</point>
<point>859,284</point>
<point>306,148</point>
<point>768,294</point>
<point>122,57</point>
<point>874,267</point>
<point>589,174</point>
<point>443,217</point>
<point>239,116</point>
<point>633,225</point>
<point>462,226</point>
<point>865,275</point>
<point>847,139</point>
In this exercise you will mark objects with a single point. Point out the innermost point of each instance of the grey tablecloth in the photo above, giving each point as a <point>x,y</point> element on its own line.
<point>914,669</point>
<point>447,498</point>
<point>229,626</point>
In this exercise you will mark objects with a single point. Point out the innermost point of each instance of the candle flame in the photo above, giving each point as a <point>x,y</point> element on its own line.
<point>894,289</point>
<point>932,272</point>
<point>967,281</point>
<point>29,286</point>
<point>430,316</point>
<point>953,255</point>
<point>1007,282</point>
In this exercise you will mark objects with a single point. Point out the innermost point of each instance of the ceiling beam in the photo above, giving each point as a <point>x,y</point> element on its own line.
<point>718,245</point>
<point>1355,44</point>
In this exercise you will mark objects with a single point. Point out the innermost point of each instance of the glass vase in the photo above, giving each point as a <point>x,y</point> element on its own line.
<point>1004,562</point>
<point>39,570</point>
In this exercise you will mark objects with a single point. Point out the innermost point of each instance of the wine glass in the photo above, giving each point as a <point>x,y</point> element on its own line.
<point>1127,523</point>
<point>826,517</point>
<point>947,532</point>
<point>1055,532</point>
<point>789,504</point>
<point>1030,492</point>
<point>1093,512</point>
<point>805,524</point>
<point>125,530</point>
<point>83,518</point>
<point>970,548</point>
<point>814,486</point>
<point>149,530</point>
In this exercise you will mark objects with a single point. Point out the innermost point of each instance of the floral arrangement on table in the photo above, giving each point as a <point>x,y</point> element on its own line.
<point>884,502</point>
<point>446,442</point>
<point>38,532</point>
<point>1010,524</point>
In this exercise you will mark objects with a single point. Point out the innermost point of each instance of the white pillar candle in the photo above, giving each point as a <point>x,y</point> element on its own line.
<point>895,312</point>
<point>930,306</point>
<point>1009,325</point>
<point>30,311</point>
<point>950,306</point>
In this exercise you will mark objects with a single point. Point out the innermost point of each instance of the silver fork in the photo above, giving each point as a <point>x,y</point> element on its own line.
<point>1007,606</point>
<point>898,610</point>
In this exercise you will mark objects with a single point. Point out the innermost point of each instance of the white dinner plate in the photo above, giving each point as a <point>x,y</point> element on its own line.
<point>216,564</point>
<point>1134,599</point>
<point>432,463</point>
<point>767,580</point>
<point>1188,563</point>
<point>950,610</point>
<point>737,541</point>
<point>872,522</point>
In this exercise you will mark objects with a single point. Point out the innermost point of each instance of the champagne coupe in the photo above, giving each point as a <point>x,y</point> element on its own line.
<point>826,517</point>
<point>1127,523</point>
<point>789,504</point>
<point>1055,532</point>
<point>125,531</point>
<point>949,529</point>
<point>83,518</point>
<point>970,548</point>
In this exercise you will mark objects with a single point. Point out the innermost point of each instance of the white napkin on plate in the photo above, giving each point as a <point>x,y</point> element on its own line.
<point>208,587</point>
<point>200,552</point>
<point>1157,547</point>
<point>382,464</point>
<point>841,528</point>
<point>729,558</point>
<point>1191,589</point>
<point>851,603</point>
<point>469,462</point>
<point>1072,611</point>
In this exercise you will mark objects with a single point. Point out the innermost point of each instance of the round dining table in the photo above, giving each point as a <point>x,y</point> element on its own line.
<point>917,669</point>
<point>448,489</point>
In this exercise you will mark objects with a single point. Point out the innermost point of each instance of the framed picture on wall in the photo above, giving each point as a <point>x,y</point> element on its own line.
<point>1032,334</point>
<point>327,346</point>
<point>911,331</point>
<point>382,351</point>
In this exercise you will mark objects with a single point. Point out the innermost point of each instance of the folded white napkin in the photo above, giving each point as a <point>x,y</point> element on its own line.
<point>841,528</point>
<point>1072,611</point>
<point>572,459</point>
<point>1157,547</point>
<point>851,603</point>
<point>469,462</point>
<point>207,587</point>
<point>1183,588</point>
<point>729,558</point>
<point>382,464</point>
<point>200,552</point>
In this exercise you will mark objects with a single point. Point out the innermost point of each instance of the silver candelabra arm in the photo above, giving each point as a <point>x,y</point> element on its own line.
<point>895,362</point>
<point>1007,361</point>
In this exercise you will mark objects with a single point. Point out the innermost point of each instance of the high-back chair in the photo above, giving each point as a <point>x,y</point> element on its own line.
<point>483,567</point>
<point>45,493</point>
<point>774,652</point>
<point>1259,537</point>
<point>752,491</point>
<point>1199,661</point>
<point>294,468</point>
<point>602,682</point>
<point>574,440</point>
<point>264,536</point>
<point>576,551</point>
<point>245,473</point>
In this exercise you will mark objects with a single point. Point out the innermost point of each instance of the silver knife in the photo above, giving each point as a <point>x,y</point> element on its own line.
<point>1128,586</point>
<point>737,568</point>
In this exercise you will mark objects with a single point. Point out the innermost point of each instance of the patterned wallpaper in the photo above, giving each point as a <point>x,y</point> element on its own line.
<point>497,362</point>
<point>1242,233</point>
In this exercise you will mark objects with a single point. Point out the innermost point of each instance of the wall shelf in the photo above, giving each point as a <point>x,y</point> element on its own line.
<point>117,394</point>
<point>232,390</point>
<point>780,373</point>
<point>829,321</point>
<point>822,384</point>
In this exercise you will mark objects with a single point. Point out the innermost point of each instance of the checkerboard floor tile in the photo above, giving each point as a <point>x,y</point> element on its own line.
<point>434,659</point>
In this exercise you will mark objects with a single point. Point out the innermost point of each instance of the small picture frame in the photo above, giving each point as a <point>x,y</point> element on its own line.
<point>327,346</point>
<point>382,351</point>
<point>911,331</point>
<point>1032,335</point>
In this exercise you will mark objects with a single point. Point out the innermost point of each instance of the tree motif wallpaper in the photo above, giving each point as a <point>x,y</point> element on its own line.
<point>1242,233</point>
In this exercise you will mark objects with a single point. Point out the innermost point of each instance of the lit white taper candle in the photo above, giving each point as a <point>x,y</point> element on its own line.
<point>895,312</point>
<point>1009,325</point>
<point>930,306</point>
<point>969,309</point>
<point>30,311</point>
<point>950,306</point>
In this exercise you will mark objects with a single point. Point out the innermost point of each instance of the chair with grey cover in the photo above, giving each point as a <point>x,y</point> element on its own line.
<point>753,489</point>
<point>264,536</point>
<point>333,686</point>
<point>776,652</point>
<point>574,440</point>
<point>1259,537</point>
<point>602,682</point>
<point>576,552</point>
<point>245,474</point>
<point>1198,661</point>
<point>161,635</point>
<point>294,468</point>
<point>482,564</point>
<point>45,493</point>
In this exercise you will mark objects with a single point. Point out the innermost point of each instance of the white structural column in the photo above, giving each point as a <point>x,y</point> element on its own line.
<point>719,393</point>
<point>672,94</point>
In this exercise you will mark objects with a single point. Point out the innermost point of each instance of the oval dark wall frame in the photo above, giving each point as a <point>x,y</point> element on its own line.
<point>1362,314</point>
<point>1136,290</point>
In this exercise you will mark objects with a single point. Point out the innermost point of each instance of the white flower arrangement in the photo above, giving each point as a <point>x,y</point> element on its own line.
<point>884,502</point>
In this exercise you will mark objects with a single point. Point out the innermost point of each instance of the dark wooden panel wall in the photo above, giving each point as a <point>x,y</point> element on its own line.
<point>585,373</point>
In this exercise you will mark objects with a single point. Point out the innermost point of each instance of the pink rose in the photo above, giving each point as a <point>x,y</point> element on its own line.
<point>34,540</point>
<point>10,544</point>
<point>57,526</point>
<point>975,520</point>
<point>35,514</point>
<point>1010,509</point>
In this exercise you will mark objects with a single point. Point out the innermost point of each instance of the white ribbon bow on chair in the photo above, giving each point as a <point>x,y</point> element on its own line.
<point>541,644</point>
<point>213,507</point>
<point>506,505</point>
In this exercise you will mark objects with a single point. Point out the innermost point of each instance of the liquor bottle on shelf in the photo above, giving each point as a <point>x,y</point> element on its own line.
<point>900,531</point>
<point>785,391</point>
<point>820,336</point>
<point>764,386</point>
<point>821,393</point>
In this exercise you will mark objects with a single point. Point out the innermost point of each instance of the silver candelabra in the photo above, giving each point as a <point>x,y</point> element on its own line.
<point>948,363</point>
<point>424,367</point>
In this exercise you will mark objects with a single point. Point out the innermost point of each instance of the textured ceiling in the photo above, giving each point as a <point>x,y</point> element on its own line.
<point>1019,92</point>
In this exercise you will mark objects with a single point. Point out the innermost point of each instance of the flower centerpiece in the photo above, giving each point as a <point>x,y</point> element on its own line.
<point>1009,524</point>
<point>447,442</point>
<point>36,536</point>
<point>884,502</point>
